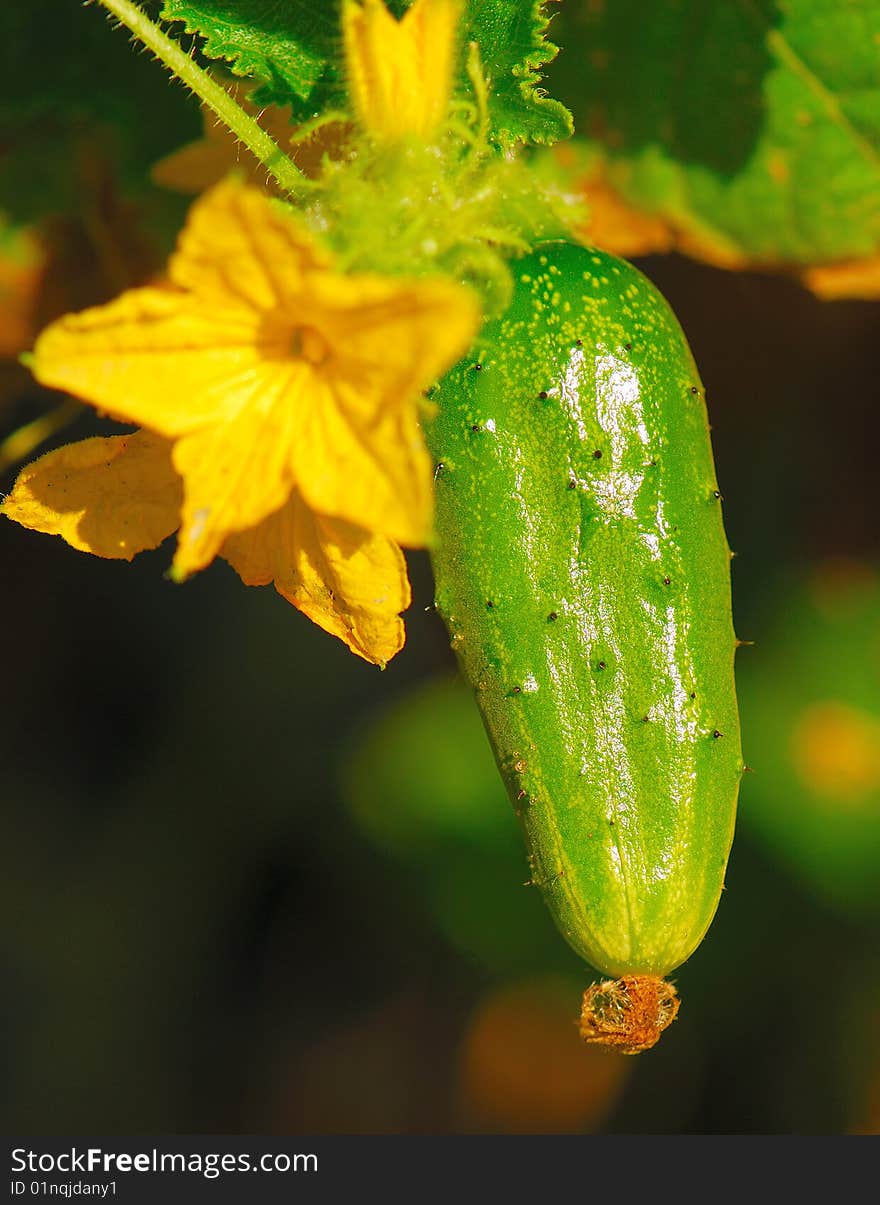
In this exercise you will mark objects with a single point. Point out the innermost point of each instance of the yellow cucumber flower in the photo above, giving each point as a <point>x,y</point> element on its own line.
<point>400,72</point>
<point>279,401</point>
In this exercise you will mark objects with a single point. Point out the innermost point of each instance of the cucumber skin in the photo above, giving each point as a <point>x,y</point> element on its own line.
<point>588,601</point>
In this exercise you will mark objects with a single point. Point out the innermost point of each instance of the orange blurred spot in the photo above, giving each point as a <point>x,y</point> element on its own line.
<point>524,1069</point>
<point>623,229</point>
<point>858,278</point>
<point>867,1117</point>
<point>839,583</point>
<point>778,167</point>
<point>869,1122</point>
<point>835,748</point>
<point>22,264</point>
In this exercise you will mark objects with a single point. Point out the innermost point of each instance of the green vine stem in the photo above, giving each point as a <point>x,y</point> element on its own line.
<point>21,443</point>
<point>250,132</point>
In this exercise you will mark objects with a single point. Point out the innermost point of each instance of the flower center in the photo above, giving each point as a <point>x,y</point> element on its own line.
<point>308,344</point>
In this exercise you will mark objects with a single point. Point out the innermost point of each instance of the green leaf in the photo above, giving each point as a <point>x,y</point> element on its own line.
<point>750,125</point>
<point>513,48</point>
<point>292,51</point>
<point>78,103</point>
<point>287,48</point>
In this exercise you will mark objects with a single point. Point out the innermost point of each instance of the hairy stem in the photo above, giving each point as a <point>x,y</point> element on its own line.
<point>250,132</point>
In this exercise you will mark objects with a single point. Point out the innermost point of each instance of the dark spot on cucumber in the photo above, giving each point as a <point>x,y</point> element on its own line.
<point>478,368</point>
<point>578,342</point>
<point>646,719</point>
<point>553,616</point>
<point>628,346</point>
<point>517,690</point>
<point>476,427</point>
<point>716,734</point>
<point>716,493</point>
<point>489,604</point>
<point>693,694</point>
<point>572,484</point>
<point>597,455</point>
<point>667,581</point>
<point>600,665</point>
<point>694,389</point>
<point>543,395</point>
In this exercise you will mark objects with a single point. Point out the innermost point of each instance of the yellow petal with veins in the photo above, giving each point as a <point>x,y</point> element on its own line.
<point>113,497</point>
<point>240,248</point>
<point>391,337</point>
<point>239,472</point>
<point>172,358</point>
<point>155,357</point>
<point>374,473</point>
<point>349,582</point>
<point>361,456</point>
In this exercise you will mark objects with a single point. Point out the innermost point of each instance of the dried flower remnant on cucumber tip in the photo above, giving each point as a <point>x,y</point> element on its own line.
<point>628,1014</point>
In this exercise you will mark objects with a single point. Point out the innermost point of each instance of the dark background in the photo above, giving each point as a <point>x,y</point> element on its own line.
<point>199,932</point>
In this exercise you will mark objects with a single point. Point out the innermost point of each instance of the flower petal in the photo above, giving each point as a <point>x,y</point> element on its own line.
<point>373,470</point>
<point>239,472</point>
<point>113,497</point>
<point>269,370</point>
<point>171,359</point>
<point>362,457</point>
<point>240,248</point>
<point>393,338</point>
<point>156,357</point>
<point>400,72</point>
<point>351,583</point>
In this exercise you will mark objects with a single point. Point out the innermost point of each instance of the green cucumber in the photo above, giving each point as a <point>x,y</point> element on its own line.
<point>583,574</point>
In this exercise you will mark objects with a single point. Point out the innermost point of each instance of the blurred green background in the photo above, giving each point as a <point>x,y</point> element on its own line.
<point>251,884</point>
